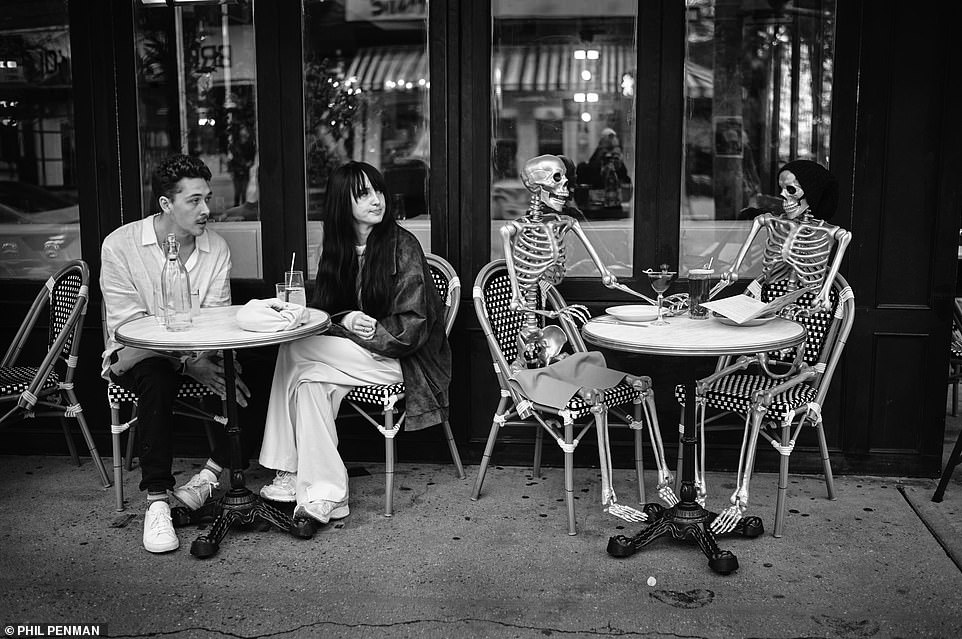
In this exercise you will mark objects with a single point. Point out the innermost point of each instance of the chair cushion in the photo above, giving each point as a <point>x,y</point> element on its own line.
<point>623,393</point>
<point>117,393</point>
<point>374,394</point>
<point>734,393</point>
<point>16,379</point>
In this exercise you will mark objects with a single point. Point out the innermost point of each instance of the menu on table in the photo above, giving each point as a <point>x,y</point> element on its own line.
<point>742,308</point>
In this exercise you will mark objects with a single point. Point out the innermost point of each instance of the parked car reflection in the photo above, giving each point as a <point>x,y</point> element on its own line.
<point>39,230</point>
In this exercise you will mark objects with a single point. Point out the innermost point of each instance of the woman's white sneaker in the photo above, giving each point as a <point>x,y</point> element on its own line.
<point>159,535</point>
<point>282,489</point>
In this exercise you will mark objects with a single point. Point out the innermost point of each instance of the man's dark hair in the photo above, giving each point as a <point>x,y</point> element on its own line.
<point>172,170</point>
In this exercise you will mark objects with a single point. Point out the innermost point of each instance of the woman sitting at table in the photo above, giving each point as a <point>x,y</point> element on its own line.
<point>387,327</point>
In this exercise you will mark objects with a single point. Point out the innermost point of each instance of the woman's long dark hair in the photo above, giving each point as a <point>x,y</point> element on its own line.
<point>335,288</point>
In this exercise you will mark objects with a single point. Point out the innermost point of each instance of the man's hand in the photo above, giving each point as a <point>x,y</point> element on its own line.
<point>209,371</point>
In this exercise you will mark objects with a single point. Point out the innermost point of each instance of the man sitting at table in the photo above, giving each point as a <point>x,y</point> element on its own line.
<point>132,258</point>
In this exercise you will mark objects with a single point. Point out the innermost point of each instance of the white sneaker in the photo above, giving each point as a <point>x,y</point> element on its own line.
<point>197,490</point>
<point>282,489</point>
<point>323,510</point>
<point>159,535</point>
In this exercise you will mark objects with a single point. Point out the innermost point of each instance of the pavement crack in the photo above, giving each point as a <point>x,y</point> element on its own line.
<point>607,631</point>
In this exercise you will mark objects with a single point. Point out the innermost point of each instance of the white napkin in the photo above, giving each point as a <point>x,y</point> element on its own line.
<point>271,316</point>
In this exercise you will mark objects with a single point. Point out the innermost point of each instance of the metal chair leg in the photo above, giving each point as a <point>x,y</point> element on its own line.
<point>569,457</point>
<point>118,460</point>
<point>453,447</point>
<point>489,448</point>
<point>538,447</point>
<point>71,447</point>
<point>826,462</point>
<point>950,465</point>
<point>782,484</point>
<point>388,462</point>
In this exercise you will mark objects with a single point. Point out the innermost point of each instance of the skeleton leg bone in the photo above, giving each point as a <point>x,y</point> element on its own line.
<point>727,519</point>
<point>600,413</point>
<point>665,491</point>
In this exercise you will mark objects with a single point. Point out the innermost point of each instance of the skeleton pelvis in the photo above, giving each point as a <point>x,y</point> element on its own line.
<point>547,341</point>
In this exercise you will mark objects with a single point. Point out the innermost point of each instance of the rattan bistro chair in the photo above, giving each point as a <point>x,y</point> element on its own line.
<point>501,325</point>
<point>955,354</point>
<point>188,403</point>
<point>47,390</point>
<point>386,397</point>
<point>778,401</point>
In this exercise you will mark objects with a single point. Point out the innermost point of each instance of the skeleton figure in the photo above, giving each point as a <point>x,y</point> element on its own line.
<point>799,245</point>
<point>535,252</point>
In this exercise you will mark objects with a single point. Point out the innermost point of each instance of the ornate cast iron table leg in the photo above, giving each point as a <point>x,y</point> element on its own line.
<point>240,506</point>
<point>687,520</point>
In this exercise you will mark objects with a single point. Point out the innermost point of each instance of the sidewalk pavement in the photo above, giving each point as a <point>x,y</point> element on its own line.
<point>863,566</point>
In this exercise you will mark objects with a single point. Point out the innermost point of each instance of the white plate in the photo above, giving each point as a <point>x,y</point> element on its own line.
<point>752,322</point>
<point>633,312</point>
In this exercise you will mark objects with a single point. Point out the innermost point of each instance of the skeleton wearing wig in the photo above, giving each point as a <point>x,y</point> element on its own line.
<point>800,241</point>
<point>798,249</point>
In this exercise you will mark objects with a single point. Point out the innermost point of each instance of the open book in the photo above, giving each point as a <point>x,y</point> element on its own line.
<point>742,308</point>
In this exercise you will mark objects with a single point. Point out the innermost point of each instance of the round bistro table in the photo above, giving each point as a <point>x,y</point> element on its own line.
<point>217,329</point>
<point>685,337</point>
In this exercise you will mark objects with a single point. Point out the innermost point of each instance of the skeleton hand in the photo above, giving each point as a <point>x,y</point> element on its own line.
<point>821,303</point>
<point>577,313</point>
<point>728,278</point>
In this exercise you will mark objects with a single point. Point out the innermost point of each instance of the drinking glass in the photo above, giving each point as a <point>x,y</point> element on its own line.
<point>660,281</point>
<point>292,288</point>
<point>698,289</point>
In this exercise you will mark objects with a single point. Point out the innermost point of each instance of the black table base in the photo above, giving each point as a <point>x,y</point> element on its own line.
<point>685,523</point>
<point>239,507</point>
<point>687,520</point>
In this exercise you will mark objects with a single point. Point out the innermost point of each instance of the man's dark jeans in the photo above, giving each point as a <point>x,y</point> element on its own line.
<point>155,382</point>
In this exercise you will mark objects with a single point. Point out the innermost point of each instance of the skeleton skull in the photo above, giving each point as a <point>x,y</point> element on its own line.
<point>545,177</point>
<point>794,195</point>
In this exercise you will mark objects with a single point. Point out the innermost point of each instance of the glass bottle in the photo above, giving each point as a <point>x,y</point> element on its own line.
<point>175,286</point>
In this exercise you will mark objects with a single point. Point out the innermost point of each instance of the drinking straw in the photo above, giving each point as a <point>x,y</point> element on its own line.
<point>290,280</point>
<point>710,260</point>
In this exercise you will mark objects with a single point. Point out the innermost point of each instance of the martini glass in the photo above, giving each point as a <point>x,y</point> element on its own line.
<point>660,282</point>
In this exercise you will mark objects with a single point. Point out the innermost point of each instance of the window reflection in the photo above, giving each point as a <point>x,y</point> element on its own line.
<point>366,98</point>
<point>39,215</point>
<point>562,79</point>
<point>196,92</point>
<point>758,95</point>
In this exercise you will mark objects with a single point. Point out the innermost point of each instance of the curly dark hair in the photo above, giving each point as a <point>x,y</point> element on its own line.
<point>172,170</point>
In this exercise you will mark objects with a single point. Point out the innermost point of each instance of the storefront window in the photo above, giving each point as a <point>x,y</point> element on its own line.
<point>39,215</point>
<point>196,93</point>
<point>562,81</point>
<point>366,98</point>
<point>759,94</point>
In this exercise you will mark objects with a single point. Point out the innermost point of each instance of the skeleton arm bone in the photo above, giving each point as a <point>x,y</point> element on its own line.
<point>843,237</point>
<point>508,233</point>
<point>731,275</point>
<point>607,277</point>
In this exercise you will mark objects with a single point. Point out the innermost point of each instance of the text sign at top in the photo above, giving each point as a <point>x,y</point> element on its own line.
<point>378,10</point>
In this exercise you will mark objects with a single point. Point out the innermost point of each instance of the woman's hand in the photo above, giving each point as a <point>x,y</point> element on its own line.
<point>362,325</point>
